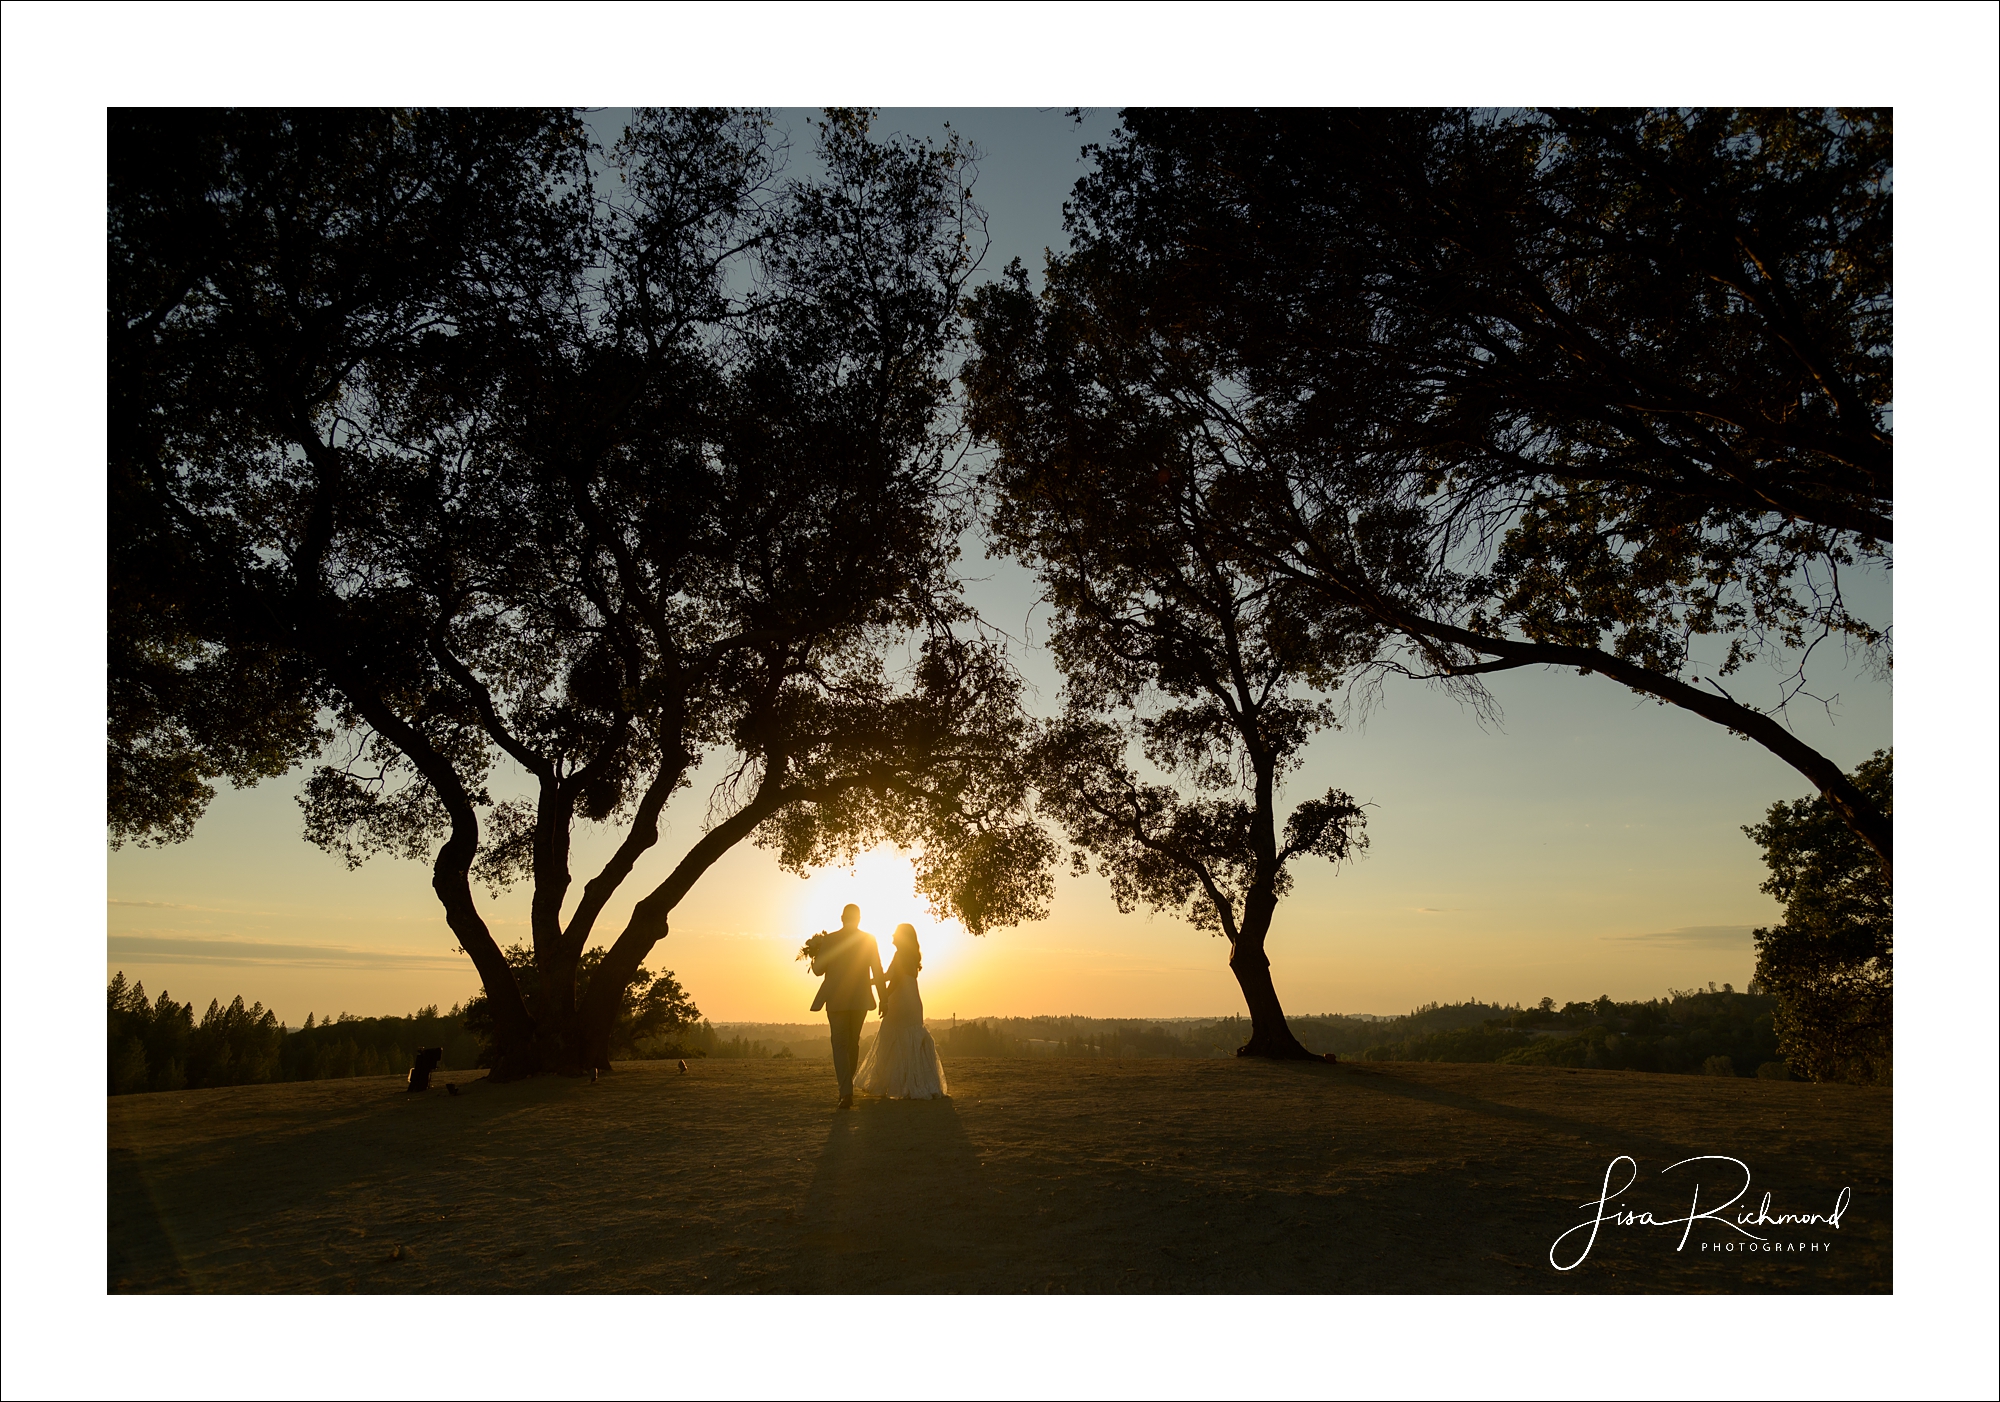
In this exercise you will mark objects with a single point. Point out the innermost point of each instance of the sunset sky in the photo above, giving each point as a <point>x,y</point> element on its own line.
<point>1591,843</point>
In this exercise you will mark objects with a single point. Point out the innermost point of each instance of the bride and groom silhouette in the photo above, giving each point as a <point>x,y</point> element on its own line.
<point>903,1063</point>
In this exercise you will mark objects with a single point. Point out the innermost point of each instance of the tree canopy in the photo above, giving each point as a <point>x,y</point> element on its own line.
<point>1605,390</point>
<point>1830,964</point>
<point>1167,643</point>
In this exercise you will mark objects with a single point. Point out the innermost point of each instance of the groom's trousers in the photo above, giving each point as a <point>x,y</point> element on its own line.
<point>846,1025</point>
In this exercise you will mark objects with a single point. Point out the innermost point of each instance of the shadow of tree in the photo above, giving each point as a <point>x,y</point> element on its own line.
<point>1617,1140</point>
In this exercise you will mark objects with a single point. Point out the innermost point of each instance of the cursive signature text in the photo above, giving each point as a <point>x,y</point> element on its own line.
<point>1603,1214</point>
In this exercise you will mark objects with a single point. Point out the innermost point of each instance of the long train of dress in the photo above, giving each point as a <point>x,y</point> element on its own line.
<point>903,1061</point>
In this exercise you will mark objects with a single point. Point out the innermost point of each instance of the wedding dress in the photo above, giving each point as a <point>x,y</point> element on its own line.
<point>903,1061</point>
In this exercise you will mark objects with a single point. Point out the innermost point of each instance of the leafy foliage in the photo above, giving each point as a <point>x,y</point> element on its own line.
<point>1830,965</point>
<point>1197,857</point>
<point>1653,345</point>
<point>483,443</point>
<point>1605,389</point>
<point>258,260</point>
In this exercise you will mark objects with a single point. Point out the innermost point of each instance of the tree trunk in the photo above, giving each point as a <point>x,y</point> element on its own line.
<point>602,1000</point>
<point>593,1044</point>
<point>515,1051</point>
<point>557,1023</point>
<point>1270,1035</point>
<point>557,950</point>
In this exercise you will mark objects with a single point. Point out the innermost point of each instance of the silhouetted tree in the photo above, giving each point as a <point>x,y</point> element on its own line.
<point>257,260</point>
<point>1574,388</point>
<point>651,1005</point>
<point>234,1045</point>
<point>377,1046</point>
<point>147,1042</point>
<point>160,1046</point>
<point>1830,965</point>
<point>1164,640</point>
<point>601,462</point>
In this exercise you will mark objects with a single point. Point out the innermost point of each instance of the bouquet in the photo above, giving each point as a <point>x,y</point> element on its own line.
<point>820,944</point>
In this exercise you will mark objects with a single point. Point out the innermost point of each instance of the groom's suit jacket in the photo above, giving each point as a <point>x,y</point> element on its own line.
<point>851,969</point>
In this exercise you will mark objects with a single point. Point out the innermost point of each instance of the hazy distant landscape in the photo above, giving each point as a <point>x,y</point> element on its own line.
<point>161,1046</point>
<point>1689,1031</point>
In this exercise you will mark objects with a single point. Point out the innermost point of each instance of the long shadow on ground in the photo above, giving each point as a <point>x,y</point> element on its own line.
<point>899,1201</point>
<point>1037,1176</point>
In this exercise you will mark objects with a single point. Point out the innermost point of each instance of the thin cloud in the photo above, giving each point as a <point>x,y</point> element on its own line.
<point>204,909</point>
<point>369,917</point>
<point>176,949</point>
<point>1692,937</point>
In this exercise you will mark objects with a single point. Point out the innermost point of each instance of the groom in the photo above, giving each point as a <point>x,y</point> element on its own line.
<point>853,969</point>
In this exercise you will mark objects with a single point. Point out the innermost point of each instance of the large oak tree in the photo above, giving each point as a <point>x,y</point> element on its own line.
<point>476,445</point>
<point>1601,390</point>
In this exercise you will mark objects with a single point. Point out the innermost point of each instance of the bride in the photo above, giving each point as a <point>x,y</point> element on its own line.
<point>903,1062</point>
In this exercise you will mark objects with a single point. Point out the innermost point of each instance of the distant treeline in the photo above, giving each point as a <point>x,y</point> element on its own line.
<point>160,1045</point>
<point>1189,1037</point>
<point>1689,1031</point>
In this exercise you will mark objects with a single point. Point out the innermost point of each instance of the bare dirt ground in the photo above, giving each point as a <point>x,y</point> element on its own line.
<point>1037,1175</point>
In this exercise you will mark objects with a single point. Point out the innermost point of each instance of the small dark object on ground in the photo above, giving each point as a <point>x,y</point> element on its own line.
<point>684,1068</point>
<point>451,1087</point>
<point>1331,1057</point>
<point>427,1061</point>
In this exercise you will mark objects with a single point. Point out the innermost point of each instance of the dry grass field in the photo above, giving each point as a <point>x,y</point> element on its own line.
<point>1038,1175</point>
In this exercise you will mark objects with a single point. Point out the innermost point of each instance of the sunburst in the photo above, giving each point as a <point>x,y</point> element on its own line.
<point>884,884</point>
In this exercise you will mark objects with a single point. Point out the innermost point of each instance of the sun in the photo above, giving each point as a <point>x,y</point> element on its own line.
<point>884,885</point>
